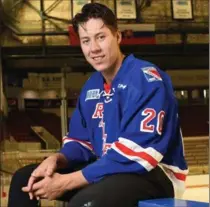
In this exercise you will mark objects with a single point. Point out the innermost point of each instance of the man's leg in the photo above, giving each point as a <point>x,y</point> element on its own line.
<point>124,190</point>
<point>18,198</point>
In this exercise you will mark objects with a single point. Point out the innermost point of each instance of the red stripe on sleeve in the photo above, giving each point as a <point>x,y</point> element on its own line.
<point>142,155</point>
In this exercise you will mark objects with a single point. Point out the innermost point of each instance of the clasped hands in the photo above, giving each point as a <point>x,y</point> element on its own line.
<point>45,183</point>
<point>48,187</point>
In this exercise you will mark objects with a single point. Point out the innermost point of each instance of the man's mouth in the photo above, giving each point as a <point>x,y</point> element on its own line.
<point>98,58</point>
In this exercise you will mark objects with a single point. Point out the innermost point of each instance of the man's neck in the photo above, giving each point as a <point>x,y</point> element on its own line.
<point>110,74</point>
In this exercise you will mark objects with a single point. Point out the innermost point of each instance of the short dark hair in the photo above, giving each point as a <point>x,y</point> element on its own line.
<point>95,10</point>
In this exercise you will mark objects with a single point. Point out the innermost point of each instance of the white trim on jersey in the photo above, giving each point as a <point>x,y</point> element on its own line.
<point>177,177</point>
<point>147,157</point>
<point>178,173</point>
<point>83,143</point>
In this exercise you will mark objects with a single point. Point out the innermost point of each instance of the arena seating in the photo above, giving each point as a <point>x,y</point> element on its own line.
<point>19,126</point>
<point>170,202</point>
<point>197,153</point>
<point>49,121</point>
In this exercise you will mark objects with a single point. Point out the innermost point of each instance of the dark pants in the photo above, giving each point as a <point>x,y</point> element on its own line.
<point>119,190</point>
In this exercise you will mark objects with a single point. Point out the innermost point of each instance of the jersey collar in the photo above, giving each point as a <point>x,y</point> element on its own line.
<point>126,66</point>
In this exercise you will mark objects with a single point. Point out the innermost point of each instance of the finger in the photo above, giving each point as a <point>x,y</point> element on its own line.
<point>37,185</point>
<point>50,171</point>
<point>25,189</point>
<point>31,196</point>
<point>31,181</point>
<point>38,172</point>
<point>39,193</point>
<point>44,196</point>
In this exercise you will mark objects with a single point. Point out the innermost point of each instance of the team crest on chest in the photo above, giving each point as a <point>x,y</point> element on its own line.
<point>98,113</point>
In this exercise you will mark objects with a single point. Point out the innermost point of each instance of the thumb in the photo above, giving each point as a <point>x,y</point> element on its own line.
<point>25,189</point>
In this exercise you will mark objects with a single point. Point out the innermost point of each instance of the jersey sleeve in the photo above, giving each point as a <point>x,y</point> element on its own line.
<point>76,145</point>
<point>145,134</point>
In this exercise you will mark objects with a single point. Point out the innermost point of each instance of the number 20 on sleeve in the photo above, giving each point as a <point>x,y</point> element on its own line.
<point>151,114</point>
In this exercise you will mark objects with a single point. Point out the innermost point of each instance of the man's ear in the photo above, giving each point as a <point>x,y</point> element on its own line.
<point>119,37</point>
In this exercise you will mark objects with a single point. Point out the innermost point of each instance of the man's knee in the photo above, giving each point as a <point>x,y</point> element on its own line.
<point>22,175</point>
<point>28,169</point>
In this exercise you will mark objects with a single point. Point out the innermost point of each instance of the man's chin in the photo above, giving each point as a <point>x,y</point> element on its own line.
<point>100,69</point>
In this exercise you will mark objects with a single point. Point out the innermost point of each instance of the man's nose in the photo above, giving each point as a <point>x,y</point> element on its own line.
<point>94,47</point>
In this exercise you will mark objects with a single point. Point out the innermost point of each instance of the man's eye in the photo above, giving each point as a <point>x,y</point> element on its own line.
<point>101,37</point>
<point>85,42</point>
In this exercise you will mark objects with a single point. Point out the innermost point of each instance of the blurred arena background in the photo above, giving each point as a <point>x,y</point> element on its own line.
<point>42,71</point>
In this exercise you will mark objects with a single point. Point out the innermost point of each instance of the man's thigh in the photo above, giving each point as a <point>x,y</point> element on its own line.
<point>22,175</point>
<point>123,190</point>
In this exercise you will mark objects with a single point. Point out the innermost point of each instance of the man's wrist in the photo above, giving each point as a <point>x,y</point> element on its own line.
<point>61,160</point>
<point>75,180</point>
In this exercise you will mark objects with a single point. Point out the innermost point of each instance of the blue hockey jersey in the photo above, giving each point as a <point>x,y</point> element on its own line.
<point>131,126</point>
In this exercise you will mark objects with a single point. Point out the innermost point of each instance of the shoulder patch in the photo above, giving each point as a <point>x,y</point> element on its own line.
<point>151,74</point>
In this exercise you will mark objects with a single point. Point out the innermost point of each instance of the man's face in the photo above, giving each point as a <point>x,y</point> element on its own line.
<point>99,44</point>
